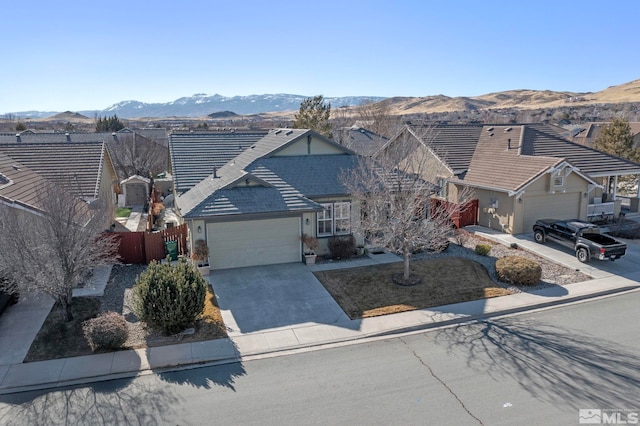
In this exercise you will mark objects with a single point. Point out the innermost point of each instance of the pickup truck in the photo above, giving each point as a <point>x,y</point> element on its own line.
<point>583,237</point>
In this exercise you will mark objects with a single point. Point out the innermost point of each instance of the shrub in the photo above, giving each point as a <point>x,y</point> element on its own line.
<point>169,297</point>
<point>343,247</point>
<point>483,249</point>
<point>107,331</point>
<point>518,270</point>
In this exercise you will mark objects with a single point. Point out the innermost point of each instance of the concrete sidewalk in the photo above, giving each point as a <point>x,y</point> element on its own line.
<point>18,377</point>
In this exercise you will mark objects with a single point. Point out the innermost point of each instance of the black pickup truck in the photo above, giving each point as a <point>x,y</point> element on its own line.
<point>583,237</point>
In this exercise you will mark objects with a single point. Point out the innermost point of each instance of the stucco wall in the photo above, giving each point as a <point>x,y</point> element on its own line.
<point>316,147</point>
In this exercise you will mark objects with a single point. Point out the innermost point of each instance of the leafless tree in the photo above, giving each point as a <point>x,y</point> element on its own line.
<point>134,154</point>
<point>51,251</point>
<point>395,190</point>
<point>379,118</point>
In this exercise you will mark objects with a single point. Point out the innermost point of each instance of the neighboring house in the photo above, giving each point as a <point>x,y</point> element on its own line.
<point>254,209</point>
<point>19,185</point>
<point>86,168</point>
<point>520,173</point>
<point>360,140</point>
<point>586,134</point>
<point>123,146</point>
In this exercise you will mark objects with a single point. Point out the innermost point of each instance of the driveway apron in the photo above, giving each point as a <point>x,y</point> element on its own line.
<point>260,298</point>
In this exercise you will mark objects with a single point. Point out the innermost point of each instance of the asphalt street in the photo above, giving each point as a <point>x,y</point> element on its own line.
<point>535,368</point>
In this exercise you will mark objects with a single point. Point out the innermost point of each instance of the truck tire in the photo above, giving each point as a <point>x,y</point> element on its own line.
<point>583,255</point>
<point>538,235</point>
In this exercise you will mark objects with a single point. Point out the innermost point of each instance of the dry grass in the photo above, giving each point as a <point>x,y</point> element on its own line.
<point>369,291</point>
<point>58,339</point>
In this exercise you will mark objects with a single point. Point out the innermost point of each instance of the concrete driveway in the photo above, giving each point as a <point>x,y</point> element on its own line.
<point>628,266</point>
<point>274,296</point>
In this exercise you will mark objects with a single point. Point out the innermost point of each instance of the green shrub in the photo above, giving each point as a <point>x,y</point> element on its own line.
<point>483,249</point>
<point>342,247</point>
<point>107,331</point>
<point>518,270</point>
<point>169,297</point>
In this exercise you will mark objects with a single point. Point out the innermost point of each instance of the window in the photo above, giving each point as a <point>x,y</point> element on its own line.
<point>335,219</point>
<point>442,183</point>
<point>558,180</point>
<point>325,220</point>
<point>342,218</point>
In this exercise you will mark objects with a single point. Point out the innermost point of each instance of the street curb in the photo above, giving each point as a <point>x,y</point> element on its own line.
<point>319,346</point>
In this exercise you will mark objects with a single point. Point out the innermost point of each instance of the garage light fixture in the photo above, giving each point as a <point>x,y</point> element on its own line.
<point>199,229</point>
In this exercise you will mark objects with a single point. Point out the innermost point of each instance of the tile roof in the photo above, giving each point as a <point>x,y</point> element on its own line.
<point>456,146</point>
<point>502,145</point>
<point>361,140</point>
<point>590,161</point>
<point>194,155</point>
<point>79,164</point>
<point>283,180</point>
<point>18,183</point>
<point>54,137</point>
<point>453,144</point>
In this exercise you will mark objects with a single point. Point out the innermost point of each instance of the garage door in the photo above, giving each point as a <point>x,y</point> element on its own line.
<point>553,206</point>
<point>253,243</point>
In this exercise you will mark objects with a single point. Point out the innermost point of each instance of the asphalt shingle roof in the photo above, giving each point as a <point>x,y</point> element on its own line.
<point>284,180</point>
<point>362,141</point>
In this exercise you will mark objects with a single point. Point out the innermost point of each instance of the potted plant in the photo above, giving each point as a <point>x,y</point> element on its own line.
<point>311,245</point>
<point>200,256</point>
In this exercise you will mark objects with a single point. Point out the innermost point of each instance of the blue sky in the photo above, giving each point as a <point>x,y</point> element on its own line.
<point>79,55</point>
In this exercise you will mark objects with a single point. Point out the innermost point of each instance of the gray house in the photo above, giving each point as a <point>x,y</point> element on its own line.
<point>254,209</point>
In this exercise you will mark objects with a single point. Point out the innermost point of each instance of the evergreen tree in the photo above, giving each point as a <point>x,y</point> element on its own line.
<point>616,138</point>
<point>314,114</point>
<point>109,124</point>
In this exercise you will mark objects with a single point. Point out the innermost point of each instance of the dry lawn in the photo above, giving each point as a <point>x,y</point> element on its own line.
<point>58,339</point>
<point>369,291</point>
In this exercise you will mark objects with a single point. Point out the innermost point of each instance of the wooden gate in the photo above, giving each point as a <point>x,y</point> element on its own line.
<point>143,247</point>
<point>464,215</point>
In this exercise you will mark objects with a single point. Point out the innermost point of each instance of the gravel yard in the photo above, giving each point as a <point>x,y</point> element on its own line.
<point>552,273</point>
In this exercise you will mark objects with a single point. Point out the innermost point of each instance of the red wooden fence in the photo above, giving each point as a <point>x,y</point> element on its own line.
<point>464,215</point>
<point>143,247</point>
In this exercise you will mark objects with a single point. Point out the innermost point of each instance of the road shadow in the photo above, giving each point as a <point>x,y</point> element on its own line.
<point>206,377</point>
<point>111,402</point>
<point>554,364</point>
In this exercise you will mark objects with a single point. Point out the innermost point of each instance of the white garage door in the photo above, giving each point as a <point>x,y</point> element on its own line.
<point>254,242</point>
<point>551,206</point>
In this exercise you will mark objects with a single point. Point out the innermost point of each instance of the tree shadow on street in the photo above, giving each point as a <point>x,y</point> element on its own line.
<point>111,402</point>
<point>555,365</point>
<point>206,377</point>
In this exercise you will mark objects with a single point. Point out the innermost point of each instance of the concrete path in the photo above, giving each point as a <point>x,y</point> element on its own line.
<point>134,218</point>
<point>270,331</point>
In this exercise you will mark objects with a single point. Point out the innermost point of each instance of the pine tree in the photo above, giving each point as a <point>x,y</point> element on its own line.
<point>616,138</point>
<point>314,114</point>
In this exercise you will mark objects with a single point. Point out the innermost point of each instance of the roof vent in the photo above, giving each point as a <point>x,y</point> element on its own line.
<point>508,129</point>
<point>16,167</point>
<point>288,132</point>
<point>491,134</point>
<point>215,172</point>
<point>362,131</point>
<point>277,132</point>
<point>490,129</point>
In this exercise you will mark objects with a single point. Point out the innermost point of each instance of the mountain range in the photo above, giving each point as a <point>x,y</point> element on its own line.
<point>200,105</point>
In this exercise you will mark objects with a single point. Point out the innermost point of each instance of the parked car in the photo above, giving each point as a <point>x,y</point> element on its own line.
<point>584,238</point>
